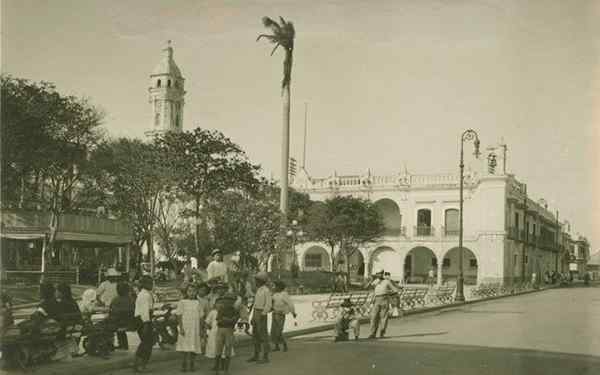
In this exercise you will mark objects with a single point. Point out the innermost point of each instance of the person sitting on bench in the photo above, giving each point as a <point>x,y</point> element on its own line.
<point>348,319</point>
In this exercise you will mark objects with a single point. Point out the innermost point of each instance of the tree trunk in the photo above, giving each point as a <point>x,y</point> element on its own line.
<point>332,265</point>
<point>150,243</point>
<point>285,153</point>
<point>22,192</point>
<point>197,217</point>
<point>347,261</point>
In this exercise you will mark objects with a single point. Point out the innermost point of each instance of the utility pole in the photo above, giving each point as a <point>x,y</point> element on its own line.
<point>305,126</point>
<point>524,244</point>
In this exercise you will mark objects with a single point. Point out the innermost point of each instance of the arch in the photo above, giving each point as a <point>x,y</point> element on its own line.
<point>386,258</point>
<point>158,83</point>
<point>392,218</point>
<point>316,258</point>
<point>450,266</point>
<point>357,263</point>
<point>417,264</point>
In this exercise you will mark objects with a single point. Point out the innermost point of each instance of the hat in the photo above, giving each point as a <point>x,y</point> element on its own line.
<point>216,251</point>
<point>261,276</point>
<point>347,303</point>
<point>111,272</point>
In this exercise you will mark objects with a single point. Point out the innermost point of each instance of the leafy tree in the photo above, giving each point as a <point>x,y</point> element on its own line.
<point>205,163</point>
<point>346,223</point>
<point>136,177</point>
<point>283,34</point>
<point>47,138</point>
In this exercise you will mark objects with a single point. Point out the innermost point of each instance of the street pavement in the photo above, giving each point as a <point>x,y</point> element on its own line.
<point>552,332</point>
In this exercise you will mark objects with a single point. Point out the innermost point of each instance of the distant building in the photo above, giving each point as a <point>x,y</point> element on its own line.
<point>508,236</point>
<point>166,95</point>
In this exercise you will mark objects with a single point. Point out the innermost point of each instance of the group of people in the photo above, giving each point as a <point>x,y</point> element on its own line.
<point>210,311</point>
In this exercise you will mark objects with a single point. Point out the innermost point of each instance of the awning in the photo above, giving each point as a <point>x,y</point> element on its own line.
<point>22,236</point>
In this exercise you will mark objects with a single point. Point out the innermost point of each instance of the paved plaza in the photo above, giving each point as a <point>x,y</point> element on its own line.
<point>551,332</point>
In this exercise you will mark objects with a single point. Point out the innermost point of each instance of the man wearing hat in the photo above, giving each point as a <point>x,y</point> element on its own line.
<point>262,307</point>
<point>107,290</point>
<point>384,289</point>
<point>217,268</point>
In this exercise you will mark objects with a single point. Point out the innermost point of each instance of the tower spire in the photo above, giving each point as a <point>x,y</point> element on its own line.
<point>166,94</point>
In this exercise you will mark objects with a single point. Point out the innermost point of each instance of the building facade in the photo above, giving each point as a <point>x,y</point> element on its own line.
<point>508,236</point>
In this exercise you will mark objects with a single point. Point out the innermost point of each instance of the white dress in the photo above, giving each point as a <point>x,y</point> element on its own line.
<point>211,341</point>
<point>191,314</point>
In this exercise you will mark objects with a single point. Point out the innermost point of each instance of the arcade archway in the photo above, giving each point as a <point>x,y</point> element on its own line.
<point>386,258</point>
<point>417,264</point>
<point>316,258</point>
<point>392,219</point>
<point>450,266</point>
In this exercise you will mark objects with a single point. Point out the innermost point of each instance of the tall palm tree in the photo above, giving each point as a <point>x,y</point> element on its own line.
<point>283,35</point>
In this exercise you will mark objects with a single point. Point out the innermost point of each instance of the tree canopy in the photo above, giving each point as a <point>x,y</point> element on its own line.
<point>345,223</point>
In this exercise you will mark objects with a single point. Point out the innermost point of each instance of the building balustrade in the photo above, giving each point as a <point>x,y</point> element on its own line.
<point>424,231</point>
<point>450,231</point>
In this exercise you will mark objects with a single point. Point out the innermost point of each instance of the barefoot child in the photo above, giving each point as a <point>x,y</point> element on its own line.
<point>189,316</point>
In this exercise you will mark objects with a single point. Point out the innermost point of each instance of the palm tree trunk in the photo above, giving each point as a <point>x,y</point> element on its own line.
<point>285,153</point>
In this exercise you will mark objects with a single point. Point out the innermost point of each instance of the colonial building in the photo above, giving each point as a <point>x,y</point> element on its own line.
<point>508,236</point>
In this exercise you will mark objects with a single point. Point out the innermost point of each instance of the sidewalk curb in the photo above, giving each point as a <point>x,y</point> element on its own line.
<point>163,356</point>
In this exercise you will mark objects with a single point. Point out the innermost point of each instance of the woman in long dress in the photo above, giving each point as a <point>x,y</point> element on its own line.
<point>189,314</point>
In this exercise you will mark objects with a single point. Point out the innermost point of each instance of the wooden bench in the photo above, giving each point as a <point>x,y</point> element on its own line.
<point>441,295</point>
<point>330,308</point>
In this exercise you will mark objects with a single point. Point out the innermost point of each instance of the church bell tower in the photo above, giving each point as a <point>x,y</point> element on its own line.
<point>166,95</point>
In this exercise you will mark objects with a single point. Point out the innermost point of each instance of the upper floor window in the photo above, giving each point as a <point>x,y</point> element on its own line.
<point>158,83</point>
<point>451,220</point>
<point>169,83</point>
<point>516,220</point>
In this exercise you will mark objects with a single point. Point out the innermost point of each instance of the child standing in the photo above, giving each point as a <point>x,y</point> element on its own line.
<point>282,305</point>
<point>228,305</point>
<point>189,316</point>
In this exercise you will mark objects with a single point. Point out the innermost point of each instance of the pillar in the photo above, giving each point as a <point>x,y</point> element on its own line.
<point>440,265</point>
<point>127,257</point>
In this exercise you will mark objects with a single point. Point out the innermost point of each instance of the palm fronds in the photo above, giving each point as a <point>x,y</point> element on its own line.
<point>283,34</point>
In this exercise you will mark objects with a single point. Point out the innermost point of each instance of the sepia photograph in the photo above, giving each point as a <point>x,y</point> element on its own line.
<point>295,187</point>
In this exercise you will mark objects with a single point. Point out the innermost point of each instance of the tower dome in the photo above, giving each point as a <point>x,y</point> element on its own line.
<point>166,94</point>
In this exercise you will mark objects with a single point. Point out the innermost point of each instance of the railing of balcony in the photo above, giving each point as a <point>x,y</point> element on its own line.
<point>450,231</point>
<point>424,231</point>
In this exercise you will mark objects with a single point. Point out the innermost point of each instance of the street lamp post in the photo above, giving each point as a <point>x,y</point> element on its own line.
<point>468,135</point>
<point>294,233</point>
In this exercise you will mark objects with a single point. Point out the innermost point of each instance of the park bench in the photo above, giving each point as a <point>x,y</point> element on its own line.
<point>330,308</point>
<point>411,297</point>
<point>441,295</point>
<point>484,290</point>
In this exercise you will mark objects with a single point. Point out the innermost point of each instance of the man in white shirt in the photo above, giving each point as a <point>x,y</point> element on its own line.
<point>217,268</point>
<point>384,289</point>
<point>262,307</point>
<point>143,312</point>
<point>107,290</point>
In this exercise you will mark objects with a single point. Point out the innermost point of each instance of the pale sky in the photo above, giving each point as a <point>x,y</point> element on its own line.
<point>387,82</point>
